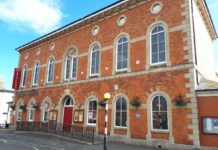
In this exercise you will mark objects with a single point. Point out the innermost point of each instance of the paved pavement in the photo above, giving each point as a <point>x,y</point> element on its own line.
<point>14,141</point>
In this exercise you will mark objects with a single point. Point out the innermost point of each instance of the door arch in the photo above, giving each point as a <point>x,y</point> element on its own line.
<point>67,113</point>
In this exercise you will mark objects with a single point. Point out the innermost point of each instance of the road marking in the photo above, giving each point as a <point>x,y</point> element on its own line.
<point>4,141</point>
<point>35,148</point>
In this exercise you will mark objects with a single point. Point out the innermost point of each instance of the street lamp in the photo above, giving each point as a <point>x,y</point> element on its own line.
<point>107,96</point>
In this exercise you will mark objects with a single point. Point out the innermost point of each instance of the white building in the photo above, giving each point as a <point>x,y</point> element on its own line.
<point>5,97</point>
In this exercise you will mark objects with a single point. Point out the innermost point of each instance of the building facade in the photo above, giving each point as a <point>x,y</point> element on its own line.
<point>6,96</point>
<point>146,52</point>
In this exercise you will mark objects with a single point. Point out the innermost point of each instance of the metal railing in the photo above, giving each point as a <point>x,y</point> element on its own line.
<point>86,134</point>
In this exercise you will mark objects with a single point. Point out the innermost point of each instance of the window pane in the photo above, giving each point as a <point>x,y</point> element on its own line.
<point>124,119</point>
<point>118,104</point>
<point>74,67</point>
<point>154,58</point>
<point>161,37</point>
<point>162,47</point>
<point>154,30</point>
<point>119,65</point>
<point>118,119</point>
<point>154,48</point>
<point>154,38</point>
<point>24,76</point>
<point>124,105</point>
<point>156,120</point>
<point>155,104</point>
<point>160,28</point>
<point>162,57</point>
<point>163,104</point>
<point>67,69</point>
<point>163,121</point>
<point>124,64</point>
<point>124,39</point>
<point>125,47</point>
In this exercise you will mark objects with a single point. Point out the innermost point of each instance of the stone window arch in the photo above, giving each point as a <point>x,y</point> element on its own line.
<point>94,67</point>
<point>70,64</point>
<point>91,113</point>
<point>121,56</point>
<point>157,50</point>
<point>159,120</point>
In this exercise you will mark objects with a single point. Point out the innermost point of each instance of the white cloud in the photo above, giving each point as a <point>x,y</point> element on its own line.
<point>40,15</point>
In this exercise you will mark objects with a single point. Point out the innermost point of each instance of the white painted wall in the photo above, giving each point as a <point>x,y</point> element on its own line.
<point>4,98</point>
<point>204,48</point>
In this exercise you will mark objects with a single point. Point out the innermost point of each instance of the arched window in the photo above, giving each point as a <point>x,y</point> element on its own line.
<point>68,101</point>
<point>36,74</point>
<point>92,112</point>
<point>122,54</point>
<point>159,113</point>
<point>50,70</point>
<point>158,44</point>
<point>94,61</point>
<point>24,75</point>
<point>121,112</point>
<point>19,113</point>
<point>74,66</point>
<point>45,112</point>
<point>67,67</point>
<point>31,112</point>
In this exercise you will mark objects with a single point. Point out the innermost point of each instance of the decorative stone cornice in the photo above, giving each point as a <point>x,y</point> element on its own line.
<point>203,8</point>
<point>109,11</point>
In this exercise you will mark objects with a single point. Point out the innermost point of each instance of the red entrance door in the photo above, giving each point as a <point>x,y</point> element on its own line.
<point>67,122</point>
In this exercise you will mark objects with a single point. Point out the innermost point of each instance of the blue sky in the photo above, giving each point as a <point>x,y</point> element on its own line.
<point>22,21</point>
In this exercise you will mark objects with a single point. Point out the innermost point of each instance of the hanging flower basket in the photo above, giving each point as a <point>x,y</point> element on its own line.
<point>101,103</point>
<point>179,101</point>
<point>135,102</point>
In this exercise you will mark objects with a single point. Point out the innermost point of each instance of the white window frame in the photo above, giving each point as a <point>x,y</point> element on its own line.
<point>24,76</point>
<point>115,126</point>
<point>31,110</point>
<point>36,74</point>
<point>87,120</point>
<point>50,66</point>
<point>152,128</point>
<point>117,44</point>
<point>165,40</point>
<point>90,63</point>
<point>45,110</point>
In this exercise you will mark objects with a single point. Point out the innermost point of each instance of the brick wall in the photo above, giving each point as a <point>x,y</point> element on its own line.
<point>207,106</point>
<point>168,78</point>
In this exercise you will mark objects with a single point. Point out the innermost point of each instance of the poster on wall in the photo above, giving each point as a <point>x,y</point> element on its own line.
<point>210,125</point>
<point>53,115</point>
<point>78,116</point>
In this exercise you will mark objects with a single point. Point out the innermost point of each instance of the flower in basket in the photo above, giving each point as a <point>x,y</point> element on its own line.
<point>179,101</point>
<point>102,103</point>
<point>135,102</point>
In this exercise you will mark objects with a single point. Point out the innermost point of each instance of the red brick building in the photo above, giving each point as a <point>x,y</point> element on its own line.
<point>139,51</point>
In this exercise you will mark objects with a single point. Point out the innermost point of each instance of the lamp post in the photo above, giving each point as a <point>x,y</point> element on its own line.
<point>106,97</point>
